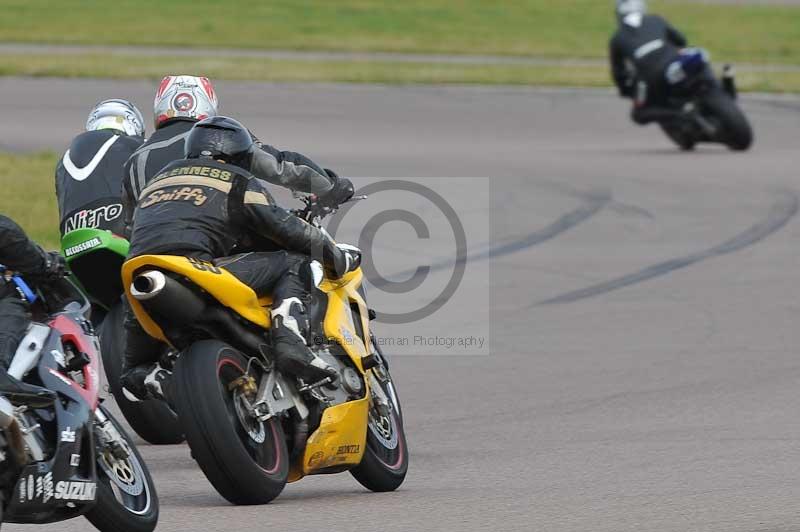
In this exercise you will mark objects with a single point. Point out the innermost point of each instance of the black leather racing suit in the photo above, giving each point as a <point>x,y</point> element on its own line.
<point>640,54</point>
<point>203,209</point>
<point>20,254</point>
<point>285,168</point>
<point>89,180</point>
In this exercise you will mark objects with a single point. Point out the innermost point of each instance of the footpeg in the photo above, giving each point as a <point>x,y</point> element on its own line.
<point>323,382</point>
<point>78,361</point>
<point>369,361</point>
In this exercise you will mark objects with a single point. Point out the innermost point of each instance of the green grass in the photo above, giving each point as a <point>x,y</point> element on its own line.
<point>239,68</point>
<point>29,194</point>
<point>570,28</point>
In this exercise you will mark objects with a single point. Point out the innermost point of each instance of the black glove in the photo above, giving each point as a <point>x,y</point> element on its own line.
<point>347,259</point>
<point>341,191</point>
<point>55,266</point>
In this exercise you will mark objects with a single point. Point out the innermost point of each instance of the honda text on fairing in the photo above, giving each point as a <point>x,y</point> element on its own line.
<point>251,428</point>
<point>64,455</point>
<point>95,257</point>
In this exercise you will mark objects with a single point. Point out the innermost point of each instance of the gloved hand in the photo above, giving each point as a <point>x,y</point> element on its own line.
<point>342,191</point>
<point>348,259</point>
<point>55,266</point>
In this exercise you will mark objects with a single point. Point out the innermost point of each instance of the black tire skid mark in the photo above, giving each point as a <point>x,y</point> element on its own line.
<point>783,209</point>
<point>624,209</point>
<point>593,203</point>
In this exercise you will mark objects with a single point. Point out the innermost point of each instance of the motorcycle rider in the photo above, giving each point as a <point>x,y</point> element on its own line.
<point>205,205</point>
<point>180,102</point>
<point>641,50</point>
<point>19,254</point>
<point>89,175</point>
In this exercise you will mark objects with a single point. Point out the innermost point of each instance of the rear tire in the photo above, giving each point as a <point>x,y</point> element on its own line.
<point>134,510</point>
<point>153,420</point>
<point>736,132</point>
<point>247,464</point>
<point>681,139</point>
<point>385,461</point>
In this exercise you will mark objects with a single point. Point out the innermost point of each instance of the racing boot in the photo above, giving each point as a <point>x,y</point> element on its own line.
<point>159,383</point>
<point>290,330</point>
<point>148,381</point>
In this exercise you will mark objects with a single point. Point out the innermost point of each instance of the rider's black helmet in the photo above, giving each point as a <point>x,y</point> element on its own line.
<point>220,138</point>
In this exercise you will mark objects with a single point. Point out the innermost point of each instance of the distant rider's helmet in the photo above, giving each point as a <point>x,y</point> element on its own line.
<point>117,114</point>
<point>189,97</point>
<point>220,138</point>
<point>626,8</point>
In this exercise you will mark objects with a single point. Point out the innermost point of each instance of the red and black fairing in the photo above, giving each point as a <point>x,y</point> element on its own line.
<point>55,489</point>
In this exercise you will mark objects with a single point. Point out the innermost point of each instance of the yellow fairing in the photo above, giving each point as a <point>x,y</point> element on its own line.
<point>218,282</point>
<point>338,323</point>
<point>340,438</point>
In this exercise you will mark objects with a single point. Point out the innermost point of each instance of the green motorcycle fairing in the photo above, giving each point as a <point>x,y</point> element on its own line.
<point>95,258</point>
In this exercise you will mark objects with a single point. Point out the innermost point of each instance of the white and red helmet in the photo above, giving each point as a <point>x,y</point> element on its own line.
<point>184,97</point>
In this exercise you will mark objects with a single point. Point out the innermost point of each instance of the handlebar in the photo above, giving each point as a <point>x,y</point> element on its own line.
<point>315,211</point>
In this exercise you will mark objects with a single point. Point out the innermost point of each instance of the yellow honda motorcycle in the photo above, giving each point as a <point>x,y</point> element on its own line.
<point>250,428</point>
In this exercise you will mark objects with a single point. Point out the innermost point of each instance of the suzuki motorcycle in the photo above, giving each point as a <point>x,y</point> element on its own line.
<point>250,428</point>
<point>64,455</point>
<point>710,112</point>
<point>95,258</point>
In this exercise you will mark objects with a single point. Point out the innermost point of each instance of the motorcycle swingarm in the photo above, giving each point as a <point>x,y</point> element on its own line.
<point>276,396</point>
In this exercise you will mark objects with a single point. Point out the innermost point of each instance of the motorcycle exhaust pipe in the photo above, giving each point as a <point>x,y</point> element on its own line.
<point>148,285</point>
<point>167,297</point>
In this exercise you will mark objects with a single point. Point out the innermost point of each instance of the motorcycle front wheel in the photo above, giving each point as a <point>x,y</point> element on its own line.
<point>385,462</point>
<point>245,459</point>
<point>126,495</point>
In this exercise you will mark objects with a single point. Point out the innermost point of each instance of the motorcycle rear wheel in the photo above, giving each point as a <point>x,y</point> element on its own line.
<point>682,139</point>
<point>153,420</point>
<point>246,460</point>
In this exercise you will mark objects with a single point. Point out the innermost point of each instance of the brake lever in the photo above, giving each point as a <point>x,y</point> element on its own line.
<point>315,210</point>
<point>357,198</point>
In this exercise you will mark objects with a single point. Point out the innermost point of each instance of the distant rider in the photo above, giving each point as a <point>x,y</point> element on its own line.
<point>89,175</point>
<point>19,254</point>
<point>180,102</point>
<point>641,51</point>
<point>204,206</point>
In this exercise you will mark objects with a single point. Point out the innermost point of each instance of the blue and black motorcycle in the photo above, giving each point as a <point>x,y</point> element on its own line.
<point>710,112</point>
<point>62,453</point>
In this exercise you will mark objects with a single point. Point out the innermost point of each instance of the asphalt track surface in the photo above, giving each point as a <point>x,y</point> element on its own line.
<point>642,369</point>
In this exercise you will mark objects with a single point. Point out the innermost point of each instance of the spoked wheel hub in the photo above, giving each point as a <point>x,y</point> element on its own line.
<point>124,474</point>
<point>258,437</point>
<point>253,426</point>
